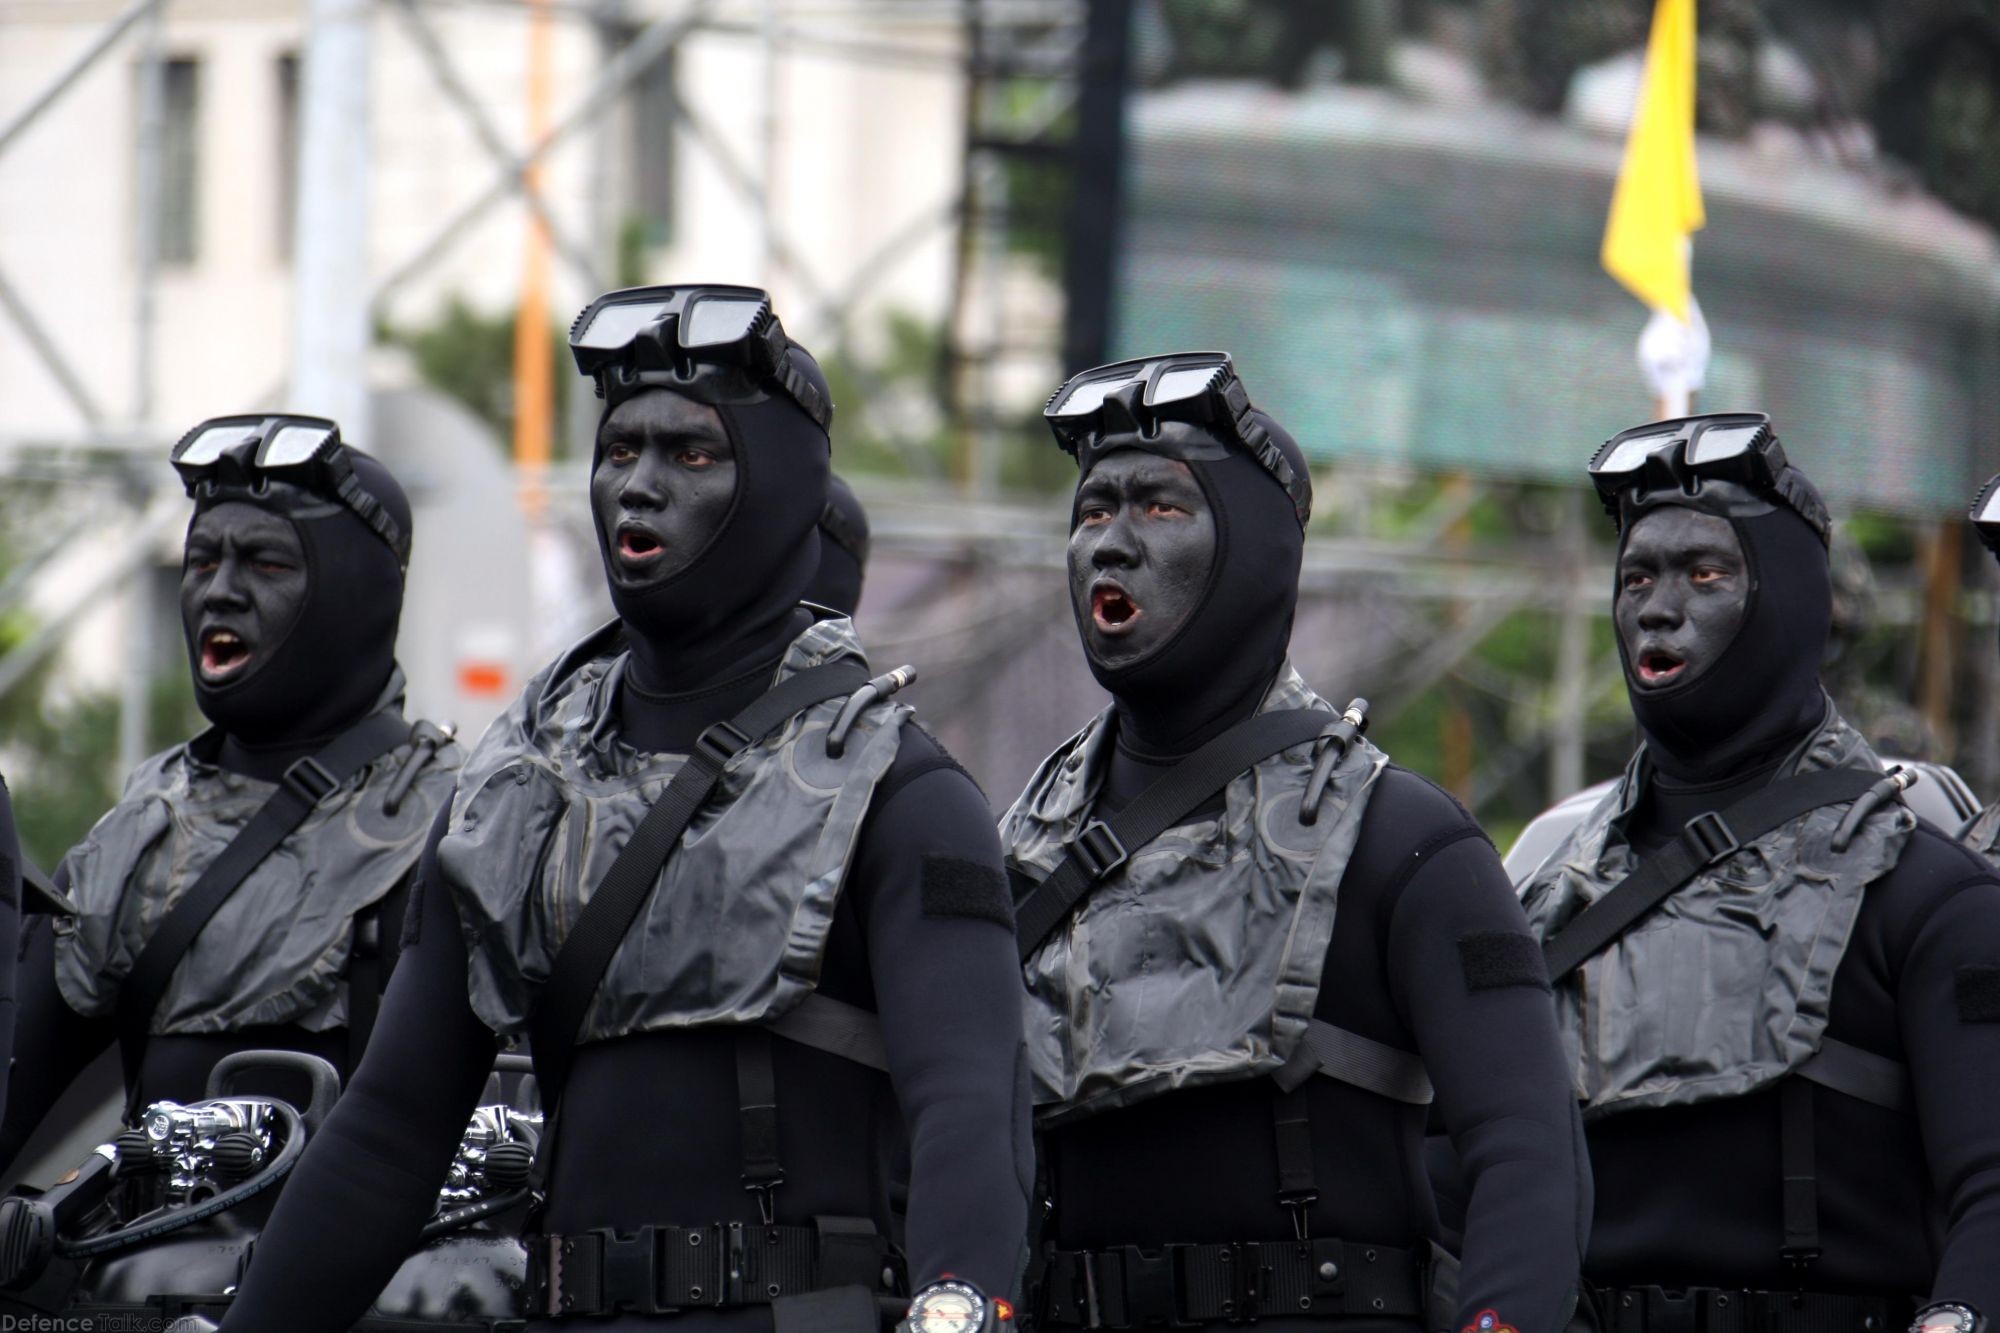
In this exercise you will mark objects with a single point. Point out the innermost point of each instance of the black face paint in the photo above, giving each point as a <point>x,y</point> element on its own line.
<point>1141,550</point>
<point>1219,633</point>
<point>1756,692</point>
<point>243,588</point>
<point>738,556</point>
<point>1683,587</point>
<point>663,487</point>
<point>315,626</point>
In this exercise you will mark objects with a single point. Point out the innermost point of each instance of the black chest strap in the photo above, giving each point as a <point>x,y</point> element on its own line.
<point>1707,839</point>
<point>305,784</point>
<point>1103,845</point>
<point>607,918</point>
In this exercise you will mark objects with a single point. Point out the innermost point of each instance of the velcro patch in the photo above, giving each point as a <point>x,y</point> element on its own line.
<point>1977,990</point>
<point>955,887</point>
<point>1493,959</point>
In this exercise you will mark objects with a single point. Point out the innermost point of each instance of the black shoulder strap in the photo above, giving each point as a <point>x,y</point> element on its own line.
<point>1103,845</point>
<point>305,784</point>
<point>580,963</point>
<point>1862,1075</point>
<point>1358,1061</point>
<point>1708,838</point>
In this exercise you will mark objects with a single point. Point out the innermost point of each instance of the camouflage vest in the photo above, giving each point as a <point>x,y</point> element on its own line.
<point>1725,987</point>
<point>276,951</point>
<point>1983,834</point>
<point>735,929</point>
<point>1198,961</point>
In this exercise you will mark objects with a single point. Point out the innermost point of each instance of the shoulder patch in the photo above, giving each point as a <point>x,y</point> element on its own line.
<point>952,886</point>
<point>1494,959</point>
<point>1488,1321</point>
<point>1977,990</point>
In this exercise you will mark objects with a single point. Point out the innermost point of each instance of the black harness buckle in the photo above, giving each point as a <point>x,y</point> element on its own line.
<point>1097,849</point>
<point>1708,834</point>
<point>308,778</point>
<point>721,742</point>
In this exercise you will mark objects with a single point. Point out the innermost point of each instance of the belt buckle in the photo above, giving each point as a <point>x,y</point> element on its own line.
<point>1246,1271</point>
<point>1157,1276</point>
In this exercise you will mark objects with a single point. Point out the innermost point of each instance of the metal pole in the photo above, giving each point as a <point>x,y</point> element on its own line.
<point>137,675</point>
<point>534,360</point>
<point>106,38</point>
<point>638,56</point>
<point>330,332</point>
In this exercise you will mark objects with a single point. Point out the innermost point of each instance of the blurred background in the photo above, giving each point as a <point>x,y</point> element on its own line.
<point>1389,210</point>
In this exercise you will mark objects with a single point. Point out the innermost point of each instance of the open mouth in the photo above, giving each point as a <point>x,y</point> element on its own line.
<point>1112,609</point>
<point>637,545</point>
<point>1659,667</point>
<point>223,654</point>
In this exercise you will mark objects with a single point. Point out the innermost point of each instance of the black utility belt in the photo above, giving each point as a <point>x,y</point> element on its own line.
<point>666,1269</point>
<point>1727,1310</point>
<point>1132,1287</point>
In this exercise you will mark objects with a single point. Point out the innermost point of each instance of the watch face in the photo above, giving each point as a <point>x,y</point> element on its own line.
<point>947,1307</point>
<point>1945,1318</point>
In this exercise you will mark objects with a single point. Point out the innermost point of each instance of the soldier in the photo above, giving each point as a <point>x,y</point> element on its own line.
<point>694,861</point>
<point>1982,833</point>
<point>236,896</point>
<point>1778,986</point>
<point>843,550</point>
<point>1254,947</point>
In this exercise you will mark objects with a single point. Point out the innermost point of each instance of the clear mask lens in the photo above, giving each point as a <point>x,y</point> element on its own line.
<point>292,445</point>
<point>1087,397</point>
<point>1631,455</point>
<point>204,449</point>
<point>719,320</point>
<point>1183,383</point>
<point>616,325</point>
<point>1720,442</point>
<point>1989,504</point>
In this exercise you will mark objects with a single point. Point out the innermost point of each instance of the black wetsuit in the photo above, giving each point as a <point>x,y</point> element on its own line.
<point>1908,1204</point>
<point>324,671</point>
<point>12,892</point>
<point>648,1131</point>
<point>1429,954</point>
<point>1201,1164</point>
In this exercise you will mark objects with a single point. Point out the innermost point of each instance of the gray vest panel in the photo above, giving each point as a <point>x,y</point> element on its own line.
<point>736,928</point>
<point>1199,960</point>
<point>276,951</point>
<point>1983,834</point>
<point>1726,987</point>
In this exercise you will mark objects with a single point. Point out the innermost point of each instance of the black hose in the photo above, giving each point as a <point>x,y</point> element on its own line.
<point>165,1221</point>
<point>459,1218</point>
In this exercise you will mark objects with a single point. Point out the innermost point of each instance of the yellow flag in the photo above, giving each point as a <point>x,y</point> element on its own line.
<point>1656,207</point>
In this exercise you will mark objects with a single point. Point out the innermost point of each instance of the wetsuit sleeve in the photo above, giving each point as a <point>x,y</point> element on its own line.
<point>1469,980</point>
<point>1948,1006</point>
<point>51,1041</point>
<point>948,988</point>
<point>369,1180</point>
<point>10,932</point>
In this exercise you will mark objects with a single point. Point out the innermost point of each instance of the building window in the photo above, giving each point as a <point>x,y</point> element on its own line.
<point>287,121</point>
<point>652,152</point>
<point>179,232</point>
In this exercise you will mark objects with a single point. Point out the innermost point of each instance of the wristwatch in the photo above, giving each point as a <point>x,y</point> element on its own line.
<point>1948,1317</point>
<point>953,1305</point>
